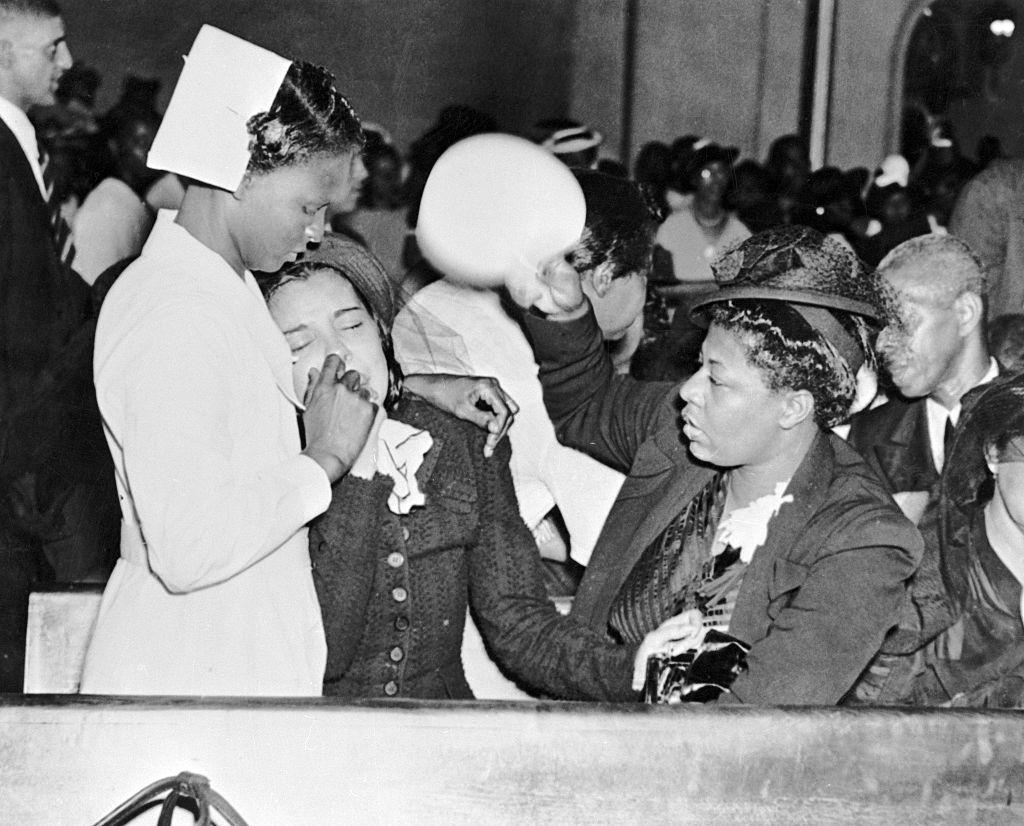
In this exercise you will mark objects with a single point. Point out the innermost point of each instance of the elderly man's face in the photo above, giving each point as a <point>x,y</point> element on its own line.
<point>33,56</point>
<point>921,350</point>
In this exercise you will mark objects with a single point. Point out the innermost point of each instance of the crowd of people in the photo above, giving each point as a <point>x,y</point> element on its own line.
<point>239,389</point>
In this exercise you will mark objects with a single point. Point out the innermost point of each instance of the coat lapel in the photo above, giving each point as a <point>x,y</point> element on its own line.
<point>906,457</point>
<point>662,481</point>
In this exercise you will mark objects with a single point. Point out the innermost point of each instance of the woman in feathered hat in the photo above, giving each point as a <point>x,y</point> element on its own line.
<point>752,518</point>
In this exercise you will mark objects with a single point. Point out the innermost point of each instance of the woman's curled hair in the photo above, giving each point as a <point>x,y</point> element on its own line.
<point>793,356</point>
<point>308,117</point>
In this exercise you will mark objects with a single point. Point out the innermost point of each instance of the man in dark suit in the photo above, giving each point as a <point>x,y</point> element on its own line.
<point>42,301</point>
<point>935,355</point>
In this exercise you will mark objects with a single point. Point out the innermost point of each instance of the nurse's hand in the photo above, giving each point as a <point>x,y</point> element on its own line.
<point>683,632</point>
<point>477,399</point>
<point>339,415</point>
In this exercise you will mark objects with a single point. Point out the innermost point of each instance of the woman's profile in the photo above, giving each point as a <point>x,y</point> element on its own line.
<point>751,517</point>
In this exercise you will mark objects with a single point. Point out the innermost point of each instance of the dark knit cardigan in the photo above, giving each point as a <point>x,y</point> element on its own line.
<point>394,589</point>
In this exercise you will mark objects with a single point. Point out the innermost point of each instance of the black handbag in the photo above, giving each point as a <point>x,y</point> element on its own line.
<point>696,676</point>
<point>187,791</point>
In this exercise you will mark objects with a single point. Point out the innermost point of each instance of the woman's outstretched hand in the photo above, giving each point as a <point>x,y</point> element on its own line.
<point>683,632</point>
<point>477,399</point>
<point>339,414</point>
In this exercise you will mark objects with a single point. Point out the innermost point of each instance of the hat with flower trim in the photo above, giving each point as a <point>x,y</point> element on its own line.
<point>814,274</point>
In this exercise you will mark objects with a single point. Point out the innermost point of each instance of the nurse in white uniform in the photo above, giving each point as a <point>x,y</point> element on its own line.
<point>213,593</point>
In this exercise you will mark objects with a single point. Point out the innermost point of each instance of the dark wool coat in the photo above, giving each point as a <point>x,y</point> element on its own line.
<point>393,589</point>
<point>893,440</point>
<point>821,593</point>
<point>42,302</point>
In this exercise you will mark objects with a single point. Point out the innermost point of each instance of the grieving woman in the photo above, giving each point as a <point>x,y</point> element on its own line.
<point>752,518</point>
<point>422,523</point>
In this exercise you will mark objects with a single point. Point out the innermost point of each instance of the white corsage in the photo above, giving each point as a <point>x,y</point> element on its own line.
<point>400,452</point>
<point>746,529</point>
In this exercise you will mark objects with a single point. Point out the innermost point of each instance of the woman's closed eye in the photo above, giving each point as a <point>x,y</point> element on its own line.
<point>298,344</point>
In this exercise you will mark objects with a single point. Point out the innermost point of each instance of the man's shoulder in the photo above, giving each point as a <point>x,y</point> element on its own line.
<point>877,424</point>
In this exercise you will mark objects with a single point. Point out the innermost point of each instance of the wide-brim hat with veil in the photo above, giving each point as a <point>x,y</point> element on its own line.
<point>815,275</point>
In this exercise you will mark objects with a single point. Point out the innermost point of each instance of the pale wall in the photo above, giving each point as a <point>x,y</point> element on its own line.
<point>860,127</point>
<point>399,61</point>
<point>729,69</point>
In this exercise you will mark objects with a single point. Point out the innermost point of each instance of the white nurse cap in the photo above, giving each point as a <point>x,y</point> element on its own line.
<point>226,80</point>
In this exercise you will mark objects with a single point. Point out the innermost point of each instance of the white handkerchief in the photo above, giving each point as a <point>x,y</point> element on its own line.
<point>400,452</point>
<point>746,529</point>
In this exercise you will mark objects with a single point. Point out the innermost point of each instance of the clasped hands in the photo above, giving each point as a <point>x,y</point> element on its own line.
<point>341,411</point>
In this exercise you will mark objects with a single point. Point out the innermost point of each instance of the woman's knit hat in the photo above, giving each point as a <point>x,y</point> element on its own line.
<point>362,268</point>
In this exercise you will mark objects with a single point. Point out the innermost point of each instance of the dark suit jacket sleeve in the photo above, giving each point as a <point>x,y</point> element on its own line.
<point>845,600</point>
<point>542,649</point>
<point>594,410</point>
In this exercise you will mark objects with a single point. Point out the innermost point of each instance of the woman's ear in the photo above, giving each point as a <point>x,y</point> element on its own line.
<point>797,407</point>
<point>992,459</point>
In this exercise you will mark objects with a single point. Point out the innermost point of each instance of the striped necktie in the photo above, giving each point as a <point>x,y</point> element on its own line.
<point>947,440</point>
<point>59,228</point>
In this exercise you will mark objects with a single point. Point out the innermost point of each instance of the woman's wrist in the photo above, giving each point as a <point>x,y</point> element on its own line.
<point>331,464</point>
<point>563,315</point>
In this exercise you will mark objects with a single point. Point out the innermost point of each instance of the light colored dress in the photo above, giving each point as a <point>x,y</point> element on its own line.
<point>111,224</point>
<point>692,248</point>
<point>213,593</point>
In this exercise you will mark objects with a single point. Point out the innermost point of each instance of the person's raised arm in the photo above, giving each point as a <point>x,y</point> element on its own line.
<point>594,410</point>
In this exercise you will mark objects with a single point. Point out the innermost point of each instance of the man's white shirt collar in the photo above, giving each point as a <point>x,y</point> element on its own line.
<point>18,122</point>
<point>937,415</point>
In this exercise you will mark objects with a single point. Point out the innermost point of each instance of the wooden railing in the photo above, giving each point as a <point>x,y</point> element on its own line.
<point>68,760</point>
